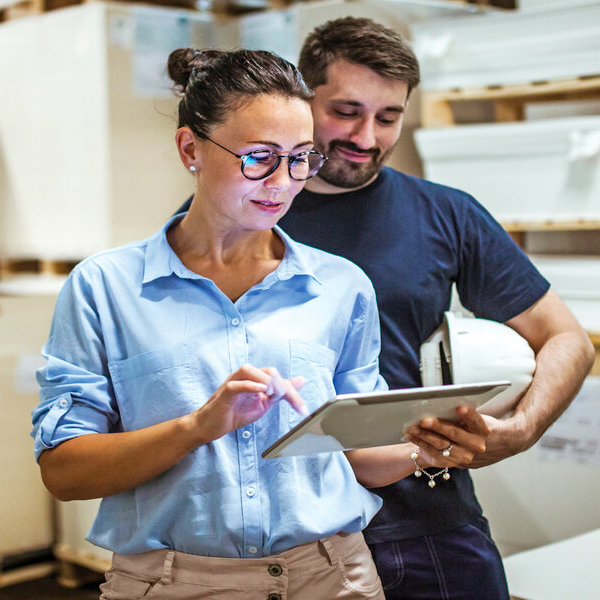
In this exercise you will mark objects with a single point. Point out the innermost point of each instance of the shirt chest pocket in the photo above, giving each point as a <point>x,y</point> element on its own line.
<point>316,363</point>
<point>155,386</point>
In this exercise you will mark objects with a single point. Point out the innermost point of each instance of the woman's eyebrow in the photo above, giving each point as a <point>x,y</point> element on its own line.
<point>279,146</point>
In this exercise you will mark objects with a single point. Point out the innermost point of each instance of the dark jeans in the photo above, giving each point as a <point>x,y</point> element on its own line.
<point>462,564</point>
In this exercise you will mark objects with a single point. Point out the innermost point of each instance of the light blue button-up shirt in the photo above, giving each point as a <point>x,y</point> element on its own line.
<point>137,339</point>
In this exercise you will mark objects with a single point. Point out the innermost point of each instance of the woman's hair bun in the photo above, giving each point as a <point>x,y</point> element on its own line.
<point>180,65</point>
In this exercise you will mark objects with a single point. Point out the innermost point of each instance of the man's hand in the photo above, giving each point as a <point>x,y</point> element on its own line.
<point>505,440</point>
<point>467,439</point>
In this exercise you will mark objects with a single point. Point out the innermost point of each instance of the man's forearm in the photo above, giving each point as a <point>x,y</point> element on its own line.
<point>564,356</point>
<point>562,365</point>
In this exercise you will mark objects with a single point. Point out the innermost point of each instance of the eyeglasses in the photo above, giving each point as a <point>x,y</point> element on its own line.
<point>259,164</point>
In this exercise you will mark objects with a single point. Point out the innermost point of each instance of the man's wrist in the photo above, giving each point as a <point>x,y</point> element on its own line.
<point>522,434</point>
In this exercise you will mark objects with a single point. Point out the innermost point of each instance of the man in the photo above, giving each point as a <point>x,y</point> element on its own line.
<point>414,239</point>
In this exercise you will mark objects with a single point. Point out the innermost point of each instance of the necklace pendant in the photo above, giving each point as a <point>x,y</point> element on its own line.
<point>446,475</point>
<point>418,473</point>
<point>431,483</point>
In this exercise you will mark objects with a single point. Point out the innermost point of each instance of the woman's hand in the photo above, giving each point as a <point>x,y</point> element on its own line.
<point>103,464</point>
<point>244,397</point>
<point>466,439</point>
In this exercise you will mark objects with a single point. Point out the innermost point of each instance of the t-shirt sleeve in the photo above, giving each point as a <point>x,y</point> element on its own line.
<point>496,280</point>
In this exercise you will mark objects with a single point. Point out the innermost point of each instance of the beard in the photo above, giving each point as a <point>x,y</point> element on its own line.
<point>344,173</point>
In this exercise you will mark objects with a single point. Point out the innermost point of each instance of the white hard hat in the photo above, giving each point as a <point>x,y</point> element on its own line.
<point>470,350</point>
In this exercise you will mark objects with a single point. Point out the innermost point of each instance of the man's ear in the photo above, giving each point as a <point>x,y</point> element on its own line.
<point>187,147</point>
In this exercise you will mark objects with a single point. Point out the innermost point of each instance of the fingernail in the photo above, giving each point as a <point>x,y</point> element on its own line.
<point>303,410</point>
<point>427,422</point>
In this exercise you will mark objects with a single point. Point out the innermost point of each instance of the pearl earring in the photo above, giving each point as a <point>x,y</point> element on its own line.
<point>192,168</point>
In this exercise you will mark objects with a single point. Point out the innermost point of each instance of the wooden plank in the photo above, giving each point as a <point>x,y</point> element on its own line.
<point>436,112</point>
<point>508,100</point>
<point>516,227</point>
<point>10,267</point>
<point>12,9</point>
<point>508,110</point>
<point>581,86</point>
<point>81,558</point>
<point>596,366</point>
<point>21,8</point>
<point>28,573</point>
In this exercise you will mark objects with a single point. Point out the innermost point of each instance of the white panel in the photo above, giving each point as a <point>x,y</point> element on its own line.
<point>567,569</point>
<point>533,499</point>
<point>53,134</point>
<point>576,279</point>
<point>74,521</point>
<point>527,5</point>
<point>474,51</point>
<point>25,505</point>
<point>547,170</point>
<point>87,158</point>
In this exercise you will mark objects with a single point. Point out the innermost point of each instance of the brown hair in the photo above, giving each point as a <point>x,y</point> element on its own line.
<point>212,83</point>
<point>360,41</point>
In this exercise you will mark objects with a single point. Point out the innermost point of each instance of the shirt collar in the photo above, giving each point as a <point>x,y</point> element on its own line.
<point>161,261</point>
<point>295,260</point>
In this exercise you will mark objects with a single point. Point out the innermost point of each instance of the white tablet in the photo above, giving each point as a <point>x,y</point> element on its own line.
<point>365,420</point>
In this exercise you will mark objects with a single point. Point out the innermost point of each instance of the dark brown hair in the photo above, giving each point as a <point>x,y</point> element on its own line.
<point>214,82</point>
<point>360,41</point>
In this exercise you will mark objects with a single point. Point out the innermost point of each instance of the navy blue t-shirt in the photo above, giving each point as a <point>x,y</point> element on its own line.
<point>415,238</point>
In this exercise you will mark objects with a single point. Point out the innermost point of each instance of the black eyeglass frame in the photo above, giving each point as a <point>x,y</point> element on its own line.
<point>245,157</point>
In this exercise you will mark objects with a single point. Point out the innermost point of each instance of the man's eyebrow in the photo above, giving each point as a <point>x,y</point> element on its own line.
<point>399,108</point>
<point>278,146</point>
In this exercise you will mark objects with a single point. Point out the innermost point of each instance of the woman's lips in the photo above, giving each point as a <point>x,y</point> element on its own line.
<point>268,206</point>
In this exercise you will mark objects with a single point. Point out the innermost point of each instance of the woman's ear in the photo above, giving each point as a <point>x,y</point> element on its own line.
<point>187,147</point>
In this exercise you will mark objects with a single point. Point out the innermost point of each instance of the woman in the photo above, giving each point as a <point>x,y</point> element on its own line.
<point>173,362</point>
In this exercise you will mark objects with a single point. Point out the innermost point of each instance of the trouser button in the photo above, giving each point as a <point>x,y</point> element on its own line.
<point>275,571</point>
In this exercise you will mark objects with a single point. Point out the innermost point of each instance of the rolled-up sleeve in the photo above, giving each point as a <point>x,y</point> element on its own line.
<point>76,396</point>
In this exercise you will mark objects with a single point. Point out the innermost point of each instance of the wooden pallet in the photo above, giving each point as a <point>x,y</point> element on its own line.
<point>508,100</point>
<point>518,229</point>
<point>28,573</point>
<point>13,9</point>
<point>20,8</point>
<point>76,567</point>
<point>12,267</point>
<point>595,337</point>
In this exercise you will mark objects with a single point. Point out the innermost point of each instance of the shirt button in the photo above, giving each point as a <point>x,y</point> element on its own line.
<point>252,549</point>
<point>250,492</point>
<point>235,321</point>
<point>63,403</point>
<point>246,434</point>
<point>275,570</point>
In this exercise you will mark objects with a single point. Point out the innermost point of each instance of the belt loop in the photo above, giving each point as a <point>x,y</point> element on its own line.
<point>167,578</point>
<point>331,554</point>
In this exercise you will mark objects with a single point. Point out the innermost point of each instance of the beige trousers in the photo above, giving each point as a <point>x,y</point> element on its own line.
<point>336,568</point>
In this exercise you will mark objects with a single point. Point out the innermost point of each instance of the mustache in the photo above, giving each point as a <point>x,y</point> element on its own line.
<point>374,152</point>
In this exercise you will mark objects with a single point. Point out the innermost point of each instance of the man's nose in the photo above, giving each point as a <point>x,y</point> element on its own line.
<point>363,134</point>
